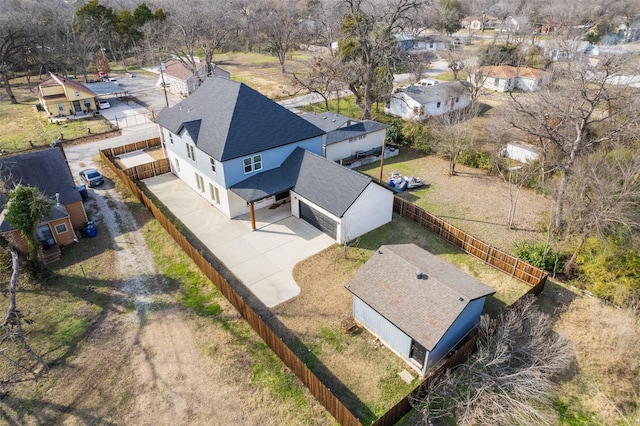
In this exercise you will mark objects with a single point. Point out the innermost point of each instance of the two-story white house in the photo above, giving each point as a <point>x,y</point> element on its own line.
<point>243,152</point>
<point>346,137</point>
<point>419,102</point>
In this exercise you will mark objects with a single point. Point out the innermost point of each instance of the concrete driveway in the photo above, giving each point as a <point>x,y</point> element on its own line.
<point>263,259</point>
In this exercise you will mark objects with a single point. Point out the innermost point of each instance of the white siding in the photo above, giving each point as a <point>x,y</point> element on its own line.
<point>346,149</point>
<point>372,209</point>
<point>394,338</point>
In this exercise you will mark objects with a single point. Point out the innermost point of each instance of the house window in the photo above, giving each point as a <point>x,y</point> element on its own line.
<point>60,106</point>
<point>87,103</point>
<point>213,165</point>
<point>191,152</point>
<point>438,104</point>
<point>177,166</point>
<point>171,138</point>
<point>457,99</point>
<point>215,194</point>
<point>61,229</point>
<point>200,182</point>
<point>431,45</point>
<point>77,94</point>
<point>252,164</point>
<point>416,110</point>
<point>496,81</point>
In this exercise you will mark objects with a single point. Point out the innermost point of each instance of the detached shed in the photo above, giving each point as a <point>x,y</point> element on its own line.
<point>416,304</point>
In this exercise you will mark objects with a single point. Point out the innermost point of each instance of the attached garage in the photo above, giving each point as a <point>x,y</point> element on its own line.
<point>319,220</point>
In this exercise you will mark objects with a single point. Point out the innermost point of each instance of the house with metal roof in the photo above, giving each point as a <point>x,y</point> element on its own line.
<point>421,101</point>
<point>418,305</point>
<point>243,152</point>
<point>48,171</point>
<point>346,136</point>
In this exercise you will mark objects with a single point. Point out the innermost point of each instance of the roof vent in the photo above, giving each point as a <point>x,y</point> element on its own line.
<point>461,299</point>
<point>188,109</point>
<point>419,274</point>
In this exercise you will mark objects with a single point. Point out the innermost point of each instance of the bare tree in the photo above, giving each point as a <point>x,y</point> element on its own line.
<point>603,197</point>
<point>12,331</point>
<point>418,62</point>
<point>368,43</point>
<point>509,380</point>
<point>575,116</point>
<point>516,177</point>
<point>453,135</point>
<point>279,27</point>
<point>324,76</point>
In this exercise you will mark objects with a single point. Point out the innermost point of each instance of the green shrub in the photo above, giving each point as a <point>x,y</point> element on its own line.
<point>417,135</point>
<point>476,159</point>
<point>540,255</point>
<point>610,269</point>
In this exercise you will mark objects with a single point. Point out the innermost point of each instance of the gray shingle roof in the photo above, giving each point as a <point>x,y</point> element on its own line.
<point>423,308</point>
<point>325,183</point>
<point>328,121</point>
<point>437,92</point>
<point>46,170</point>
<point>56,212</point>
<point>235,120</point>
<point>355,130</point>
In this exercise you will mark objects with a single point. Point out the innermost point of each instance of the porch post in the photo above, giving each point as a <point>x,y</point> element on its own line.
<point>253,216</point>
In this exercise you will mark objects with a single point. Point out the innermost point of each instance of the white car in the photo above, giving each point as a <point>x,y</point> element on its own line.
<point>103,104</point>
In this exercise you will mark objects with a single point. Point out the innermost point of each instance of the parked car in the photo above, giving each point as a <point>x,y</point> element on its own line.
<point>91,177</point>
<point>104,104</point>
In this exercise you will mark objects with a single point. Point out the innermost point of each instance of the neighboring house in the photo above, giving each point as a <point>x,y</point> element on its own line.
<point>555,49</point>
<point>476,22</point>
<point>419,102</point>
<point>505,78</point>
<point>515,25</point>
<point>48,171</point>
<point>347,137</point>
<point>60,96</point>
<point>419,306</point>
<point>182,81</point>
<point>238,149</point>
<point>432,42</point>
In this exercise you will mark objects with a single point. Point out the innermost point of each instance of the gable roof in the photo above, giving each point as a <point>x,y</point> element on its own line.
<point>340,127</point>
<point>233,120</point>
<point>325,183</point>
<point>422,308</point>
<point>176,69</point>
<point>56,212</point>
<point>67,84</point>
<point>46,170</point>
<point>434,93</point>
<point>508,71</point>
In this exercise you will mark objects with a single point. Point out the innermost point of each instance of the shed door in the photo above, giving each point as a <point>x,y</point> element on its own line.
<point>319,220</point>
<point>418,352</point>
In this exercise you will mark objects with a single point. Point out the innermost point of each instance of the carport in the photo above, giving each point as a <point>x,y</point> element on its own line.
<point>107,88</point>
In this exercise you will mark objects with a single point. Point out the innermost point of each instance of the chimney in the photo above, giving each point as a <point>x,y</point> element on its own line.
<point>58,199</point>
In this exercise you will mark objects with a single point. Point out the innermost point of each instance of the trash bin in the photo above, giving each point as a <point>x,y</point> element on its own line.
<point>82,189</point>
<point>90,229</point>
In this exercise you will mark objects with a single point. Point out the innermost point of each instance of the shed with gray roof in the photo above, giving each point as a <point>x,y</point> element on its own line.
<point>415,303</point>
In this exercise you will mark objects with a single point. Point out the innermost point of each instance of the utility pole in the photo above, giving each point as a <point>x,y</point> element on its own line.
<point>163,67</point>
<point>384,146</point>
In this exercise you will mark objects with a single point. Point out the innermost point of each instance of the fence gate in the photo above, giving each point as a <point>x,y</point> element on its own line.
<point>131,120</point>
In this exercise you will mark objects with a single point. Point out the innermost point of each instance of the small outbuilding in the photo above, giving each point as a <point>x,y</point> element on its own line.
<point>418,305</point>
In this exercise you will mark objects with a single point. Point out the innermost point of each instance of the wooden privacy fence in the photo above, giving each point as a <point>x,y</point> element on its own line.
<point>136,146</point>
<point>144,171</point>
<point>505,262</point>
<point>322,393</point>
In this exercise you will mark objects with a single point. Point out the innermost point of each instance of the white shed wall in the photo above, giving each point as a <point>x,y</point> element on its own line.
<point>372,209</point>
<point>346,149</point>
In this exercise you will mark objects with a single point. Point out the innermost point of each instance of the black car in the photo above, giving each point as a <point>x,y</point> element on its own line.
<point>91,177</point>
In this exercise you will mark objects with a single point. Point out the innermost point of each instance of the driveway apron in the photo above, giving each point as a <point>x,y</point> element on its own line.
<point>262,259</point>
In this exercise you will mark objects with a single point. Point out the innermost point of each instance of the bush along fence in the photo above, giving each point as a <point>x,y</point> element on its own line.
<point>321,392</point>
<point>505,262</point>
